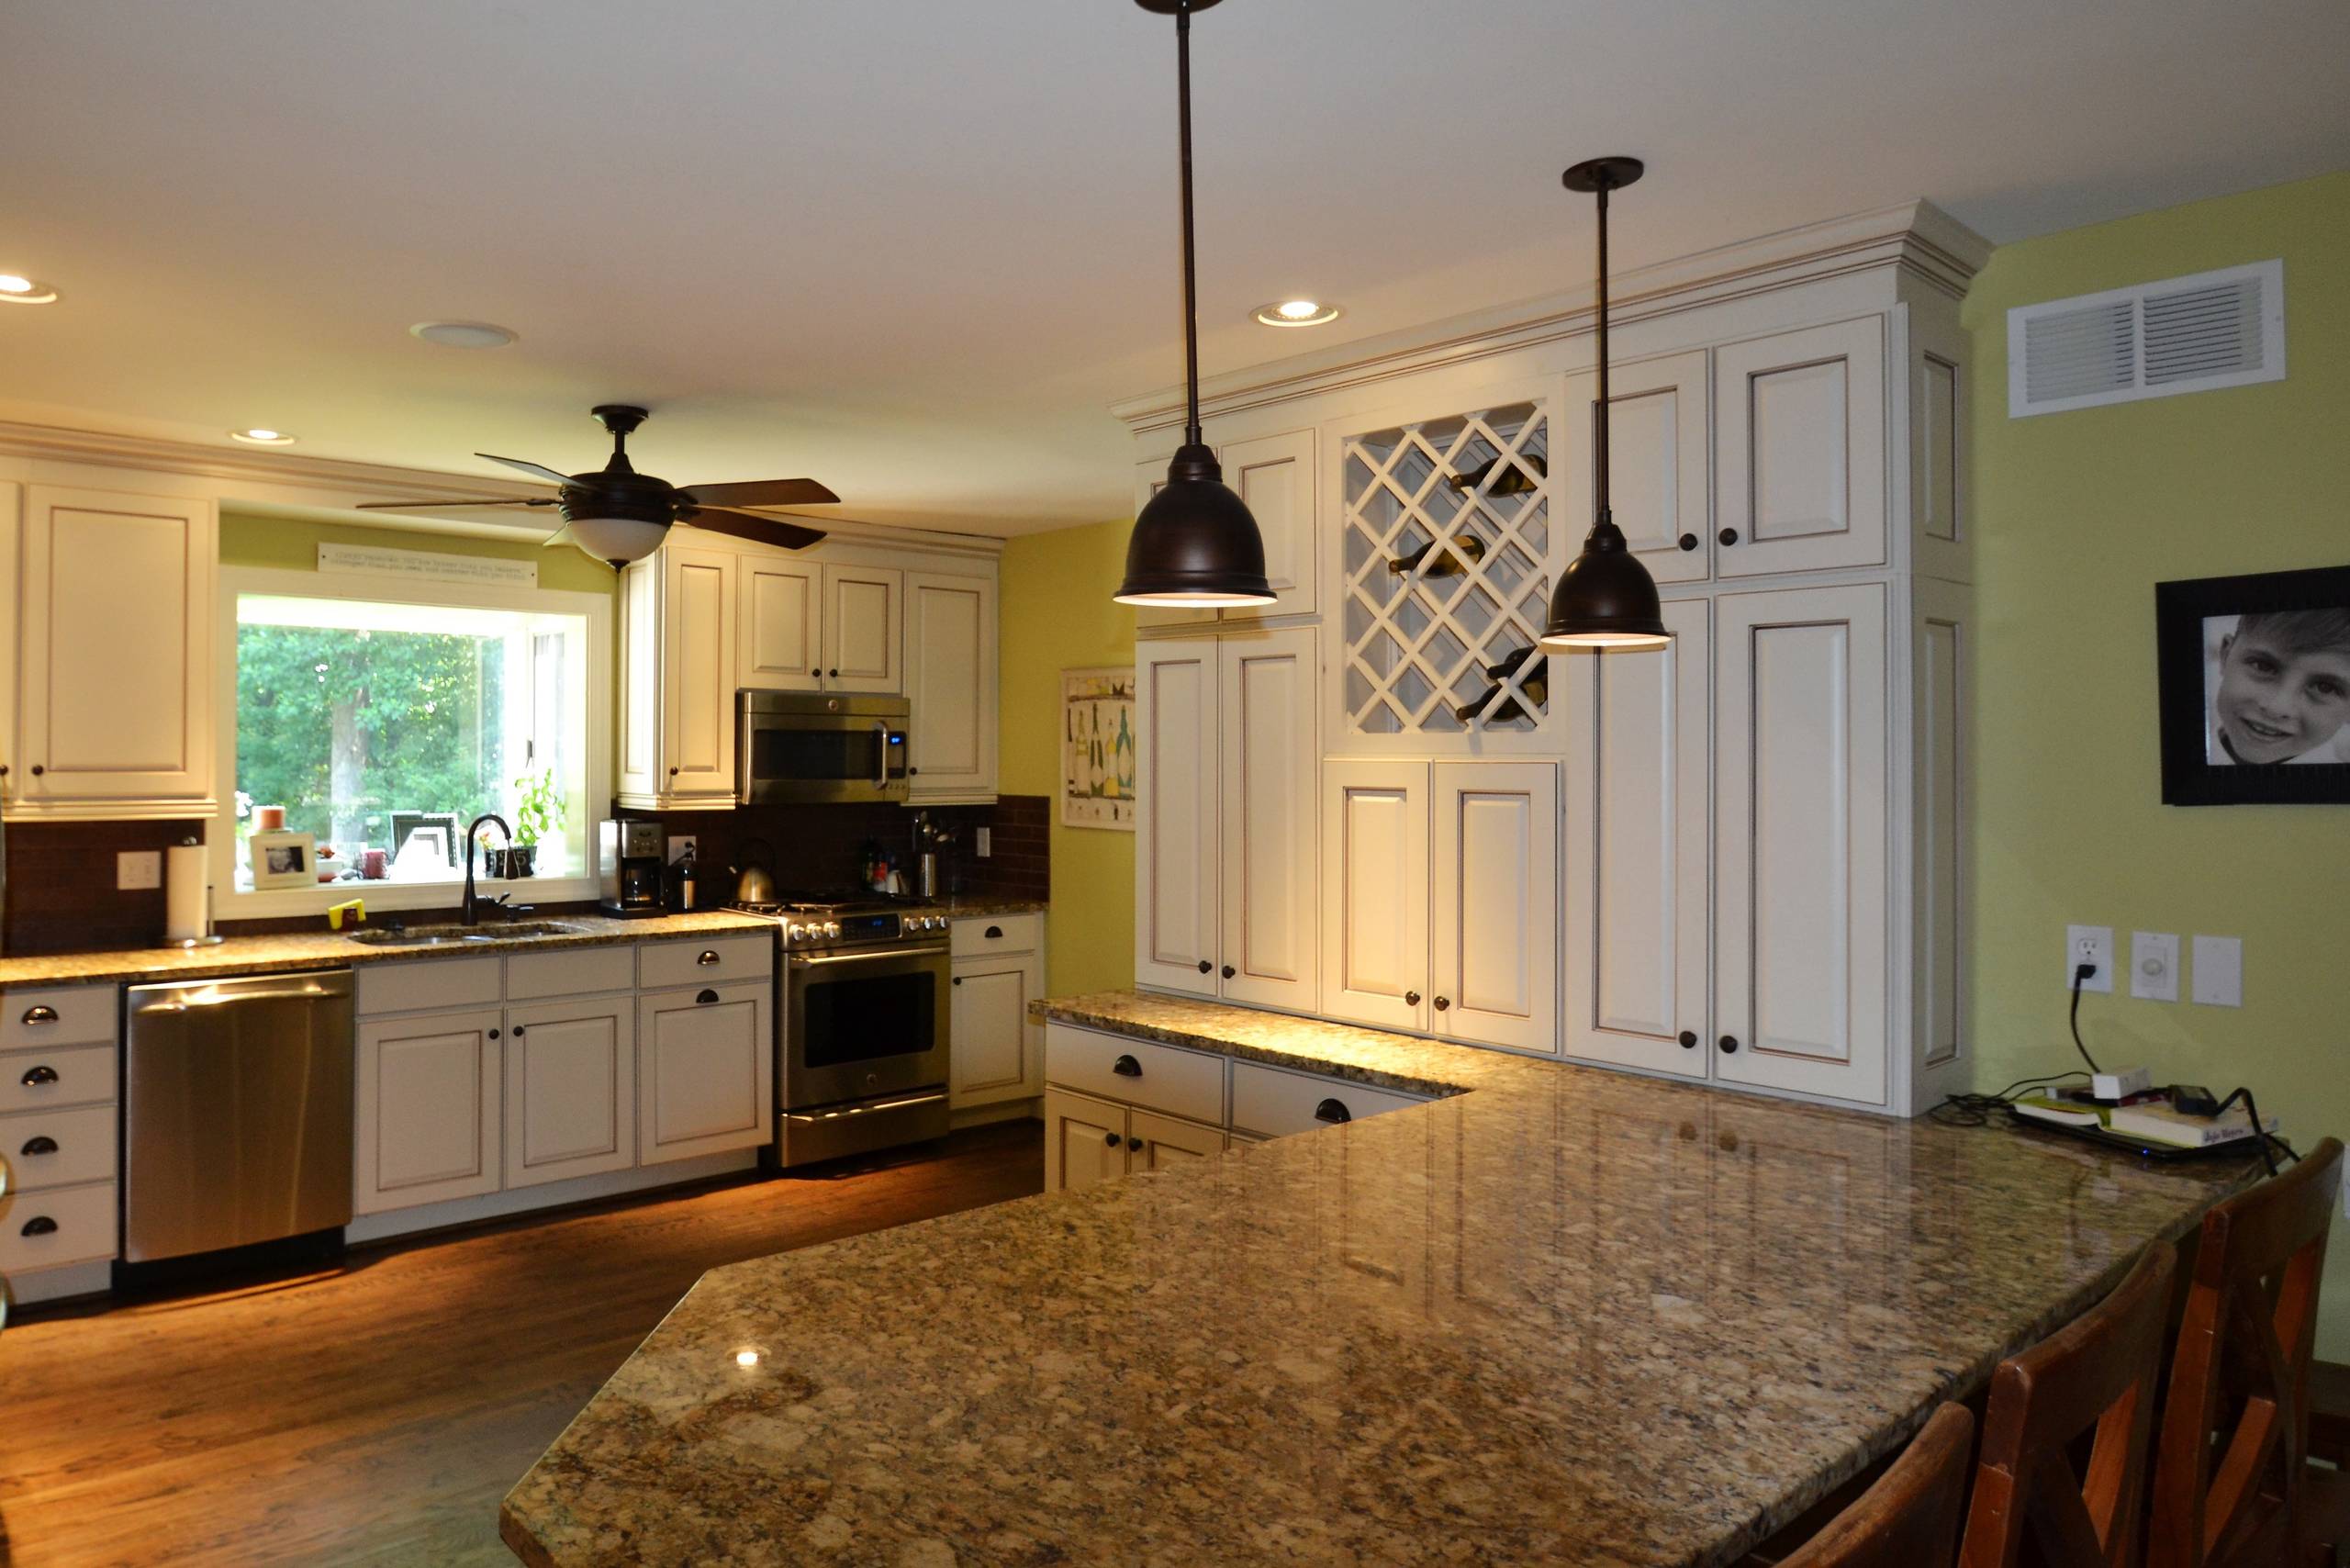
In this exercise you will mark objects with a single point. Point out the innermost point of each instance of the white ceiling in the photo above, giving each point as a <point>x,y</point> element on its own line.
<point>914,248</point>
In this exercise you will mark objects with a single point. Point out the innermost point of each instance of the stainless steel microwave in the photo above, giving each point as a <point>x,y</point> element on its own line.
<point>794,747</point>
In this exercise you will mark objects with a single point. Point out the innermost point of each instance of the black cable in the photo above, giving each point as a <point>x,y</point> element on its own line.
<point>2082,972</point>
<point>1977,1110</point>
<point>2269,1142</point>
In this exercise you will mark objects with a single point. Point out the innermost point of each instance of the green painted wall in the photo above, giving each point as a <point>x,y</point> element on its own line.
<point>291,545</point>
<point>2080,514</point>
<point>1057,614</point>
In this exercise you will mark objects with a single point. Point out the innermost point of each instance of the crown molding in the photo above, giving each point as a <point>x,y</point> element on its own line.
<point>1914,237</point>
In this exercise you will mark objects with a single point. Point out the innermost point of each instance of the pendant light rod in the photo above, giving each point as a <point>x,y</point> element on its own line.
<point>1191,287</point>
<point>1600,508</point>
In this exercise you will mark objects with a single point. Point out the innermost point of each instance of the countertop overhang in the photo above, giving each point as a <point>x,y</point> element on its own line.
<point>1558,1315</point>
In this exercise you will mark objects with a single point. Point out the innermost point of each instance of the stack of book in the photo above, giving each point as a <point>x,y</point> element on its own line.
<point>2149,1119</point>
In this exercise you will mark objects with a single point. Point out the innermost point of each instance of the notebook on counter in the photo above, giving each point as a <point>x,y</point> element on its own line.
<point>2150,1125</point>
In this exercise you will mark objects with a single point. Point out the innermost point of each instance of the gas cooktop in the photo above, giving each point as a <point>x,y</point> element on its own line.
<point>845,916</point>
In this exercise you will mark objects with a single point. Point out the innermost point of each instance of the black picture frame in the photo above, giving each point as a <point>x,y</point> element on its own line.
<point>2195,624</point>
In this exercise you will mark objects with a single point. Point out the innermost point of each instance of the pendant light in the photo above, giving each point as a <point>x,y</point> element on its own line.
<point>1194,543</point>
<point>1604,598</point>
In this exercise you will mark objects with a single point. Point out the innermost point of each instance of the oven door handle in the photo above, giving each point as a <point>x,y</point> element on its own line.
<point>810,960</point>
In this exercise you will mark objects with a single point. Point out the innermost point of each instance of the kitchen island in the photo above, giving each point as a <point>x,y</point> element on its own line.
<point>1558,1315</point>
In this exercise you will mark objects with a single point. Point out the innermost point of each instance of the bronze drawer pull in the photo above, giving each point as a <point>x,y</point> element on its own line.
<point>1126,1067</point>
<point>43,1144</point>
<point>1332,1111</point>
<point>44,1013</point>
<point>39,1225</point>
<point>709,956</point>
<point>37,1076</point>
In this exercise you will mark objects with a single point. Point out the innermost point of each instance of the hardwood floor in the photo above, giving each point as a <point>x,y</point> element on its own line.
<point>376,1414</point>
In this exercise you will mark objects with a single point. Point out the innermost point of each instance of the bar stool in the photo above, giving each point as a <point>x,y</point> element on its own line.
<point>2232,1483</point>
<point>1909,1518</point>
<point>2096,1375</point>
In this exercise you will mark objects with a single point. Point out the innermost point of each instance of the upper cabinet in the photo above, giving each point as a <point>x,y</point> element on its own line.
<point>1800,450</point>
<point>814,626</point>
<point>113,673</point>
<point>1656,446</point>
<point>865,611</point>
<point>951,683</point>
<point>1274,476</point>
<point>677,684</point>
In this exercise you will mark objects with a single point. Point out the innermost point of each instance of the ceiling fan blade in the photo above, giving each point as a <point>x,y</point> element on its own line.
<point>760,493</point>
<point>745,525</point>
<point>540,469</point>
<point>499,501</point>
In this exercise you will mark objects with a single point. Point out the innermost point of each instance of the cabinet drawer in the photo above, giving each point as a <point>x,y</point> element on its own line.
<point>1277,1104</point>
<point>69,1015</point>
<point>997,934</point>
<point>67,1224</point>
<point>570,972</point>
<point>707,960</point>
<point>1164,1077</point>
<point>412,986</point>
<point>77,1075</point>
<point>57,1148</point>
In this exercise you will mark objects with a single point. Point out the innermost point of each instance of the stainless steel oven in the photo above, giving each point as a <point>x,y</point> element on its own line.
<point>797,746</point>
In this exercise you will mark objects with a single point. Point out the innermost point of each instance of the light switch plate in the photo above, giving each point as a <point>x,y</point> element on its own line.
<point>983,842</point>
<point>2094,944</point>
<point>2153,966</point>
<point>2219,971</point>
<point>135,869</point>
<point>682,845</point>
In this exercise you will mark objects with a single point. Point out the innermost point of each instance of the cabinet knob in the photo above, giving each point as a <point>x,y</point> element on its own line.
<point>39,1225</point>
<point>815,672</point>
<point>1688,1039</point>
<point>1126,1067</point>
<point>44,1014</point>
<point>1135,1144</point>
<point>518,1031</point>
<point>833,673</point>
<point>1333,1112</point>
<point>1411,998</point>
<point>43,1144</point>
<point>994,932</point>
<point>1728,1043</point>
<point>1206,968</point>
<point>1111,1141</point>
<point>673,773</point>
<point>493,1034</point>
<point>1687,541</point>
<point>704,999</point>
<point>1728,536</point>
<point>910,771</point>
<point>37,1076</point>
<point>37,771</point>
<point>1229,971</point>
<point>1442,1002</point>
<point>958,979</point>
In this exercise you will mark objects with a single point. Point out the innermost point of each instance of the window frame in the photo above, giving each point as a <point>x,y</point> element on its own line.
<point>229,904</point>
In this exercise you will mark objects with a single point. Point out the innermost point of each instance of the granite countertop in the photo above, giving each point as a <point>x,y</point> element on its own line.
<point>971,906</point>
<point>1560,1315</point>
<point>319,949</point>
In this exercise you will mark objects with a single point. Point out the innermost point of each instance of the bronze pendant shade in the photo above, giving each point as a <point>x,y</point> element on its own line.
<point>1194,543</point>
<point>1605,598</point>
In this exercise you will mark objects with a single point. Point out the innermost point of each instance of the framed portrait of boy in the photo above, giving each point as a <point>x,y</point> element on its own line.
<point>281,859</point>
<point>2255,675</point>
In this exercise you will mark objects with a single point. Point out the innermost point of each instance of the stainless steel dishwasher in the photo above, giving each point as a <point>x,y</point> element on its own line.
<point>236,1112</point>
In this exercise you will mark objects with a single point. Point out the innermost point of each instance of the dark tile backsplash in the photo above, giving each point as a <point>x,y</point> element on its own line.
<point>62,897</point>
<point>819,846</point>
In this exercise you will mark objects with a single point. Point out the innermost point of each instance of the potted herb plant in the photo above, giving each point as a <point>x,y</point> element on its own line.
<point>538,811</point>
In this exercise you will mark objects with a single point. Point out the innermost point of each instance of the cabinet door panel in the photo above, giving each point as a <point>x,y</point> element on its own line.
<point>117,656</point>
<point>1271,902</point>
<point>428,1110</point>
<point>570,1090</point>
<point>1375,855</point>
<point>698,674</point>
<point>1635,864</point>
<point>1085,1140</point>
<point>640,737</point>
<point>995,1047</point>
<point>1494,938</point>
<point>1274,475</point>
<point>706,1072</point>
<point>1801,899</point>
<point>1166,1141</point>
<point>1942,543</point>
<point>1801,448</point>
<point>1658,447</point>
<point>782,625</point>
<point>951,685</point>
<point>1176,855</point>
<point>864,629</point>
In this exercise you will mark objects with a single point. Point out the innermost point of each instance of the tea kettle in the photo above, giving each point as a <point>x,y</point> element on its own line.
<point>754,883</point>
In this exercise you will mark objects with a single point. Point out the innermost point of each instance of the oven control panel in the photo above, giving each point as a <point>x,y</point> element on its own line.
<point>820,931</point>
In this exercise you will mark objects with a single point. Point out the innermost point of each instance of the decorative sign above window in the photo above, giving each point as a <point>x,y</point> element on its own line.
<point>375,561</point>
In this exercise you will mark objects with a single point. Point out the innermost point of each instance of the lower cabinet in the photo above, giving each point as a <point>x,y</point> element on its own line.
<point>706,1080</point>
<point>429,1109</point>
<point>999,1050</point>
<point>570,1086</point>
<point>1088,1139</point>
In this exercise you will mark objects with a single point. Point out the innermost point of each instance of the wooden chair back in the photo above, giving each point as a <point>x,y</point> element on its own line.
<point>1909,1518</point>
<point>2092,1382</point>
<point>2230,1476</point>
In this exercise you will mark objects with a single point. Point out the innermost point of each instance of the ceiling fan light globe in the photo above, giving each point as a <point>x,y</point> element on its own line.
<point>618,539</point>
<point>1195,543</point>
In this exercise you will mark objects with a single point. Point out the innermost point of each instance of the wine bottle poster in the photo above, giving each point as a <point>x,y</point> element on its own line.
<point>1098,748</point>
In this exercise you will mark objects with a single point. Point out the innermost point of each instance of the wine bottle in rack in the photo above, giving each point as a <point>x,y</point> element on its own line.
<point>1447,563</point>
<point>1533,687</point>
<point>1513,479</point>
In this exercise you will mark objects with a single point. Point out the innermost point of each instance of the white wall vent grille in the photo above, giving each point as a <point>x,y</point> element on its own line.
<point>2185,334</point>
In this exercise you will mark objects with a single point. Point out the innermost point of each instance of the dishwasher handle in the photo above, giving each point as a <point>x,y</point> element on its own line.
<point>198,995</point>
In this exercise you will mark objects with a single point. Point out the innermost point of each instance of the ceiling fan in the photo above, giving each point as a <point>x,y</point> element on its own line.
<point>618,515</point>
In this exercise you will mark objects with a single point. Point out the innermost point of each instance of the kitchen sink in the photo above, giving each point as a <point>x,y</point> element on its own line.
<point>463,936</point>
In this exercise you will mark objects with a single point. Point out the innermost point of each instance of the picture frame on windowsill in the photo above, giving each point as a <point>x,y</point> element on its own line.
<point>283,859</point>
<point>2254,679</point>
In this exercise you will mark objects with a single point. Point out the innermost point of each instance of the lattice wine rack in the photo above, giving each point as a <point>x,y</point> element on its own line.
<point>1446,555</point>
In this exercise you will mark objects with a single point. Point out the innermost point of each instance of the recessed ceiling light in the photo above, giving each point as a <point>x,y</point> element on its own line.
<point>17,289</point>
<point>259,436</point>
<point>1297,313</point>
<point>464,334</point>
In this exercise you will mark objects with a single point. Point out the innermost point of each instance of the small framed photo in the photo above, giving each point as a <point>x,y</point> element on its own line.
<point>282,859</point>
<point>2254,677</point>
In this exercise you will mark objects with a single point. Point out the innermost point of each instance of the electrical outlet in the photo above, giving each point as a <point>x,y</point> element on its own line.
<point>2089,944</point>
<point>682,845</point>
<point>2219,971</point>
<point>138,868</point>
<point>2153,966</point>
<point>983,842</point>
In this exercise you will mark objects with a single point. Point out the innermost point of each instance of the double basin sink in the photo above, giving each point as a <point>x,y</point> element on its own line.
<point>396,935</point>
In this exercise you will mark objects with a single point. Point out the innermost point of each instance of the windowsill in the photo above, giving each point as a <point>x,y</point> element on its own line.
<point>278,903</point>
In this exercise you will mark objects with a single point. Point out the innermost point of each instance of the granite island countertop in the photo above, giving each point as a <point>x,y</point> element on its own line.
<point>1558,1315</point>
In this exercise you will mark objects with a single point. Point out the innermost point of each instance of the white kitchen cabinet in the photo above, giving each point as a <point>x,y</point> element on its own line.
<point>570,1088</point>
<point>782,622</point>
<point>1225,846</point>
<point>1639,780</point>
<point>1658,445</point>
<point>1085,1140</point>
<point>12,535</point>
<point>950,688</point>
<point>705,1071</point>
<point>1274,476</point>
<point>429,1109</point>
<point>677,639</point>
<point>1375,880</point>
<point>1800,458</point>
<point>1800,817</point>
<point>864,628</point>
<point>114,663</point>
<point>998,1049</point>
<point>1155,1142</point>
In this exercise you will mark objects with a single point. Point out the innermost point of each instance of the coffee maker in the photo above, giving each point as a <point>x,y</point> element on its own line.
<point>628,867</point>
